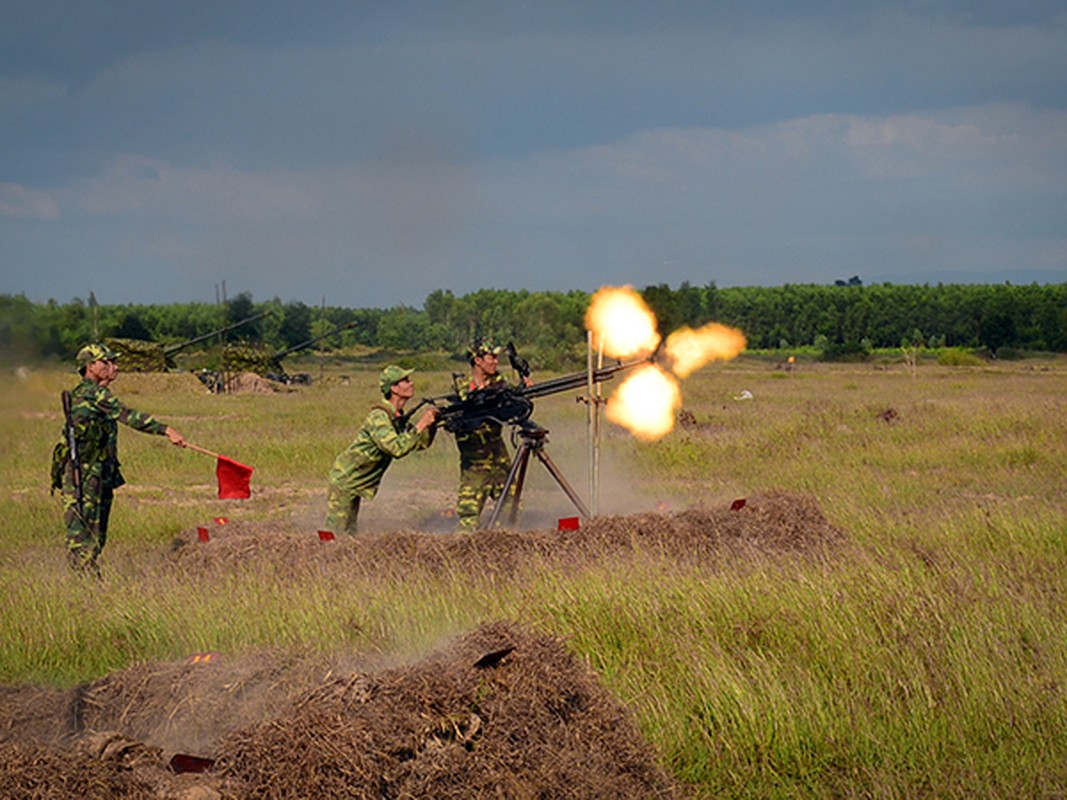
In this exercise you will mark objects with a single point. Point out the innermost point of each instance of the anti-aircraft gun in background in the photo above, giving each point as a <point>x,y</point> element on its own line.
<point>138,355</point>
<point>255,357</point>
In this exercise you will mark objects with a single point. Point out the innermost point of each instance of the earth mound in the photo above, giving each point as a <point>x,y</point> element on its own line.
<point>499,712</point>
<point>773,524</point>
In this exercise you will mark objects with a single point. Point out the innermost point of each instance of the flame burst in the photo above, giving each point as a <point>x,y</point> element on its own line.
<point>690,349</point>
<point>622,323</point>
<point>645,403</point>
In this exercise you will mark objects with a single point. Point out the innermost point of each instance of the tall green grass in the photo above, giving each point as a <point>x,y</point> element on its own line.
<point>925,657</point>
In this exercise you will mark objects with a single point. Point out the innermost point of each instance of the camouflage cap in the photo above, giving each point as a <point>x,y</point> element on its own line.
<point>392,375</point>
<point>483,347</point>
<point>95,352</point>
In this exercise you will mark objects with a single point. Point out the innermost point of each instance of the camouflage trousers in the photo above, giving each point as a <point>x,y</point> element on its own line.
<point>477,485</point>
<point>87,528</point>
<point>342,509</point>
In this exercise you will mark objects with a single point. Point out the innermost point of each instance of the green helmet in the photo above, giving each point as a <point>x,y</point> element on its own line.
<point>390,375</point>
<point>94,352</point>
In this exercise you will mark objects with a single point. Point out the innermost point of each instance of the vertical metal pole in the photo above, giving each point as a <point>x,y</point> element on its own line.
<point>592,419</point>
<point>322,353</point>
<point>590,410</point>
<point>595,500</point>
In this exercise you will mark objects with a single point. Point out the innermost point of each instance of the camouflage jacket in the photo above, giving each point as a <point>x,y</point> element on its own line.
<point>383,436</point>
<point>484,445</point>
<point>95,413</point>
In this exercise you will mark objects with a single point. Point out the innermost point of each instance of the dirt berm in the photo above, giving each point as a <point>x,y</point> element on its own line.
<point>497,713</point>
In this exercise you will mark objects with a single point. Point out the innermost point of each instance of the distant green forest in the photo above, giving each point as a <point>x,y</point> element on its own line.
<point>844,320</point>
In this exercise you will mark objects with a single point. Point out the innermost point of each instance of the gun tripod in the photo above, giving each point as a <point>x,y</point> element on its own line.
<point>533,438</point>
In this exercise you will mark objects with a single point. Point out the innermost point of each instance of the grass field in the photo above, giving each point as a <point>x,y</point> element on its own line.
<point>927,656</point>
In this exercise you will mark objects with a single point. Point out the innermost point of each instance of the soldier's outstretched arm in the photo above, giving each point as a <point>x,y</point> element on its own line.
<point>386,438</point>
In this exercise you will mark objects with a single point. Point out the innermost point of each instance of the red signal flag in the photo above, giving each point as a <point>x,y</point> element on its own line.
<point>738,504</point>
<point>569,523</point>
<point>203,535</point>
<point>326,536</point>
<point>233,478</point>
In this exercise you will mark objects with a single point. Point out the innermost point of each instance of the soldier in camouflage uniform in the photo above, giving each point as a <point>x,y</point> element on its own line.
<point>385,434</point>
<point>95,413</point>
<point>483,457</point>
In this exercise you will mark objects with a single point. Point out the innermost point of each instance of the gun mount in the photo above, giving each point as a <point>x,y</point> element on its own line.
<point>256,358</point>
<point>138,355</point>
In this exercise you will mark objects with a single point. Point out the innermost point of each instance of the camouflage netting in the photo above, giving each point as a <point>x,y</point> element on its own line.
<point>500,712</point>
<point>249,357</point>
<point>136,355</point>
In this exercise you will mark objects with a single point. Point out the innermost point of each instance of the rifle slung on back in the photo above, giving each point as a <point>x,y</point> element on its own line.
<point>73,456</point>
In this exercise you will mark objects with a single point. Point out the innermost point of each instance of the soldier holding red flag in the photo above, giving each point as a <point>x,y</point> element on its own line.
<point>85,463</point>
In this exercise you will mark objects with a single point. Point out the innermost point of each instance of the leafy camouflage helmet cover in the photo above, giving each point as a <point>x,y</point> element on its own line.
<point>483,347</point>
<point>391,375</point>
<point>95,352</point>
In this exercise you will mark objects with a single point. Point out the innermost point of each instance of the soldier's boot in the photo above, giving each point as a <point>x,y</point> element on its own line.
<point>82,561</point>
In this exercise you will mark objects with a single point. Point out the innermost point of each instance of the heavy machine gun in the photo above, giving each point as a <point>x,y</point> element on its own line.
<point>512,405</point>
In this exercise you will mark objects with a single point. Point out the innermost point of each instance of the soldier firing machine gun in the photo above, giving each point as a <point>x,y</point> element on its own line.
<point>513,405</point>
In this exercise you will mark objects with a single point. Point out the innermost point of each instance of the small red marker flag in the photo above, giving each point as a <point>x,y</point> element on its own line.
<point>221,520</point>
<point>738,504</point>
<point>203,535</point>
<point>326,536</point>
<point>569,523</point>
<point>233,478</point>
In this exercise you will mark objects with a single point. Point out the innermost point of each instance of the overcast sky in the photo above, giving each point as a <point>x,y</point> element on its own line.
<point>371,152</point>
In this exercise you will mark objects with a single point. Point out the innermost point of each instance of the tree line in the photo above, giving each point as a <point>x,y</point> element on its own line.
<point>843,319</point>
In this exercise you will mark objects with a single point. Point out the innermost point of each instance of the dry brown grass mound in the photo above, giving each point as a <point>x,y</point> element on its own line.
<point>500,712</point>
<point>774,524</point>
<point>33,771</point>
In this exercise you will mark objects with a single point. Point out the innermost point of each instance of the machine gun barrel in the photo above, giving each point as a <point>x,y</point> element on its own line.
<point>577,380</point>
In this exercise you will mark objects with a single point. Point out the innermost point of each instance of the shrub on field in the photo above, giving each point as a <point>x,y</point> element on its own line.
<point>959,358</point>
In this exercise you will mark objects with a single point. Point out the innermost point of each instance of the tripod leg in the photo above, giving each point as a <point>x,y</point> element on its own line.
<point>516,493</point>
<point>566,487</point>
<point>516,476</point>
